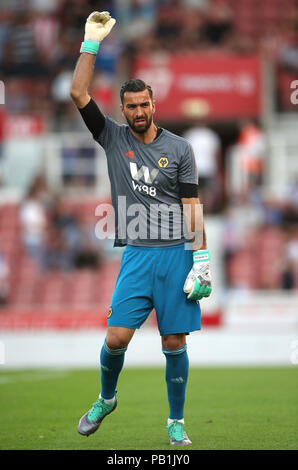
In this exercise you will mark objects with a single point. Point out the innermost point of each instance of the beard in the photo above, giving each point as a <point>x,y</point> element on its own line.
<point>140,128</point>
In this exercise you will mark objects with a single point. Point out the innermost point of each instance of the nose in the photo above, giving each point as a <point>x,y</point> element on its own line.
<point>139,113</point>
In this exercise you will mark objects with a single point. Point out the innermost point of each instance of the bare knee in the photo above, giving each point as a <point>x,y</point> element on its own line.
<point>172,342</point>
<point>118,337</point>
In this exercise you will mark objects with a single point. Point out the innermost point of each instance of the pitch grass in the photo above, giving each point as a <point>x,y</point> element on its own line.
<point>226,409</point>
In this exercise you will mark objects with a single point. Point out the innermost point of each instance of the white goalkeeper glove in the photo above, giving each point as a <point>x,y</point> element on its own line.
<point>97,27</point>
<point>198,281</point>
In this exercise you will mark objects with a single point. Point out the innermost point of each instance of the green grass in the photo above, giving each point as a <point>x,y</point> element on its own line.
<point>226,408</point>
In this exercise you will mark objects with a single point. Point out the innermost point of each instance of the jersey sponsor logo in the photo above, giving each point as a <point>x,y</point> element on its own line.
<point>130,154</point>
<point>163,162</point>
<point>143,172</point>
<point>146,175</point>
<point>144,188</point>
<point>110,312</point>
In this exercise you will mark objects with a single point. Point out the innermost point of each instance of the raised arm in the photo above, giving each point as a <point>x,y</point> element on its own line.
<point>98,26</point>
<point>81,79</point>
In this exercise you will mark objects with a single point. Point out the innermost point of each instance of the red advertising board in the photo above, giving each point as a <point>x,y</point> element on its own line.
<point>23,125</point>
<point>218,86</point>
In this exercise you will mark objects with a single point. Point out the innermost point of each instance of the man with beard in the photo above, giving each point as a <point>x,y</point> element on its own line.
<point>154,171</point>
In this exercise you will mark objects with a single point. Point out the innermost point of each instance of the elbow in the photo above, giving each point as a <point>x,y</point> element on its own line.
<point>80,99</point>
<point>75,94</point>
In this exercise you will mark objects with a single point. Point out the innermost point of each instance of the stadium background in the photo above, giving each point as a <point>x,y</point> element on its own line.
<point>229,67</point>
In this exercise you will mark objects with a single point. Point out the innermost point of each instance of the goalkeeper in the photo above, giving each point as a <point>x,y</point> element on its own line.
<point>155,171</point>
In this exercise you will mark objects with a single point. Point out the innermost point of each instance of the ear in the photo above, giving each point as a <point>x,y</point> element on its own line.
<point>122,110</point>
<point>153,107</point>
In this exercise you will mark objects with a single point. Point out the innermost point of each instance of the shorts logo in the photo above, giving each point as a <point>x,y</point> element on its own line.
<point>110,312</point>
<point>163,162</point>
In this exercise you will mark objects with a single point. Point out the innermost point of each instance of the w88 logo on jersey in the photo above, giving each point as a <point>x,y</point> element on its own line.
<point>145,174</point>
<point>150,190</point>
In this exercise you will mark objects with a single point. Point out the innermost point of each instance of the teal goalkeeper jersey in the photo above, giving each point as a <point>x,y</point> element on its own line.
<point>145,182</point>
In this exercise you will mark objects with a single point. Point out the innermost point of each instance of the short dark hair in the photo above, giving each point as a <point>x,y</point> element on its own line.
<point>135,85</point>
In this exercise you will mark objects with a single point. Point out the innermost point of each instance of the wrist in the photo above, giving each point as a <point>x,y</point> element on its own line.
<point>90,46</point>
<point>201,256</point>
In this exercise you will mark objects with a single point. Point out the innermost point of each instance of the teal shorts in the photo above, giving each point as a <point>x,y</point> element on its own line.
<point>153,278</point>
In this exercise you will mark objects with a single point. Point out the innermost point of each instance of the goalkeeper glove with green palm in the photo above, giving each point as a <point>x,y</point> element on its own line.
<point>97,27</point>
<point>198,281</point>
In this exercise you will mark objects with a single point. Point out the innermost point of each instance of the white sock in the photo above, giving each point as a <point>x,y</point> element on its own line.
<point>179,420</point>
<point>109,401</point>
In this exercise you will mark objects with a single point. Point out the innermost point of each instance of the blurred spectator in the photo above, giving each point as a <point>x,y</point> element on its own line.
<point>219,23</point>
<point>231,241</point>
<point>63,120</point>
<point>273,212</point>
<point>67,54</point>
<point>192,31</point>
<point>273,40</point>
<point>288,279</point>
<point>136,18</point>
<point>251,147</point>
<point>16,100</point>
<point>288,57</point>
<point>22,57</point>
<point>70,242</point>
<point>289,52</point>
<point>43,193</point>
<point>33,221</point>
<point>56,254</point>
<point>207,149</point>
<point>79,166</point>
<point>4,281</point>
<point>4,27</point>
<point>250,238</point>
<point>34,215</point>
<point>61,86</point>
<point>290,266</point>
<point>89,254</point>
<point>169,25</point>
<point>65,222</point>
<point>290,203</point>
<point>291,194</point>
<point>46,29</point>
<point>239,43</point>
